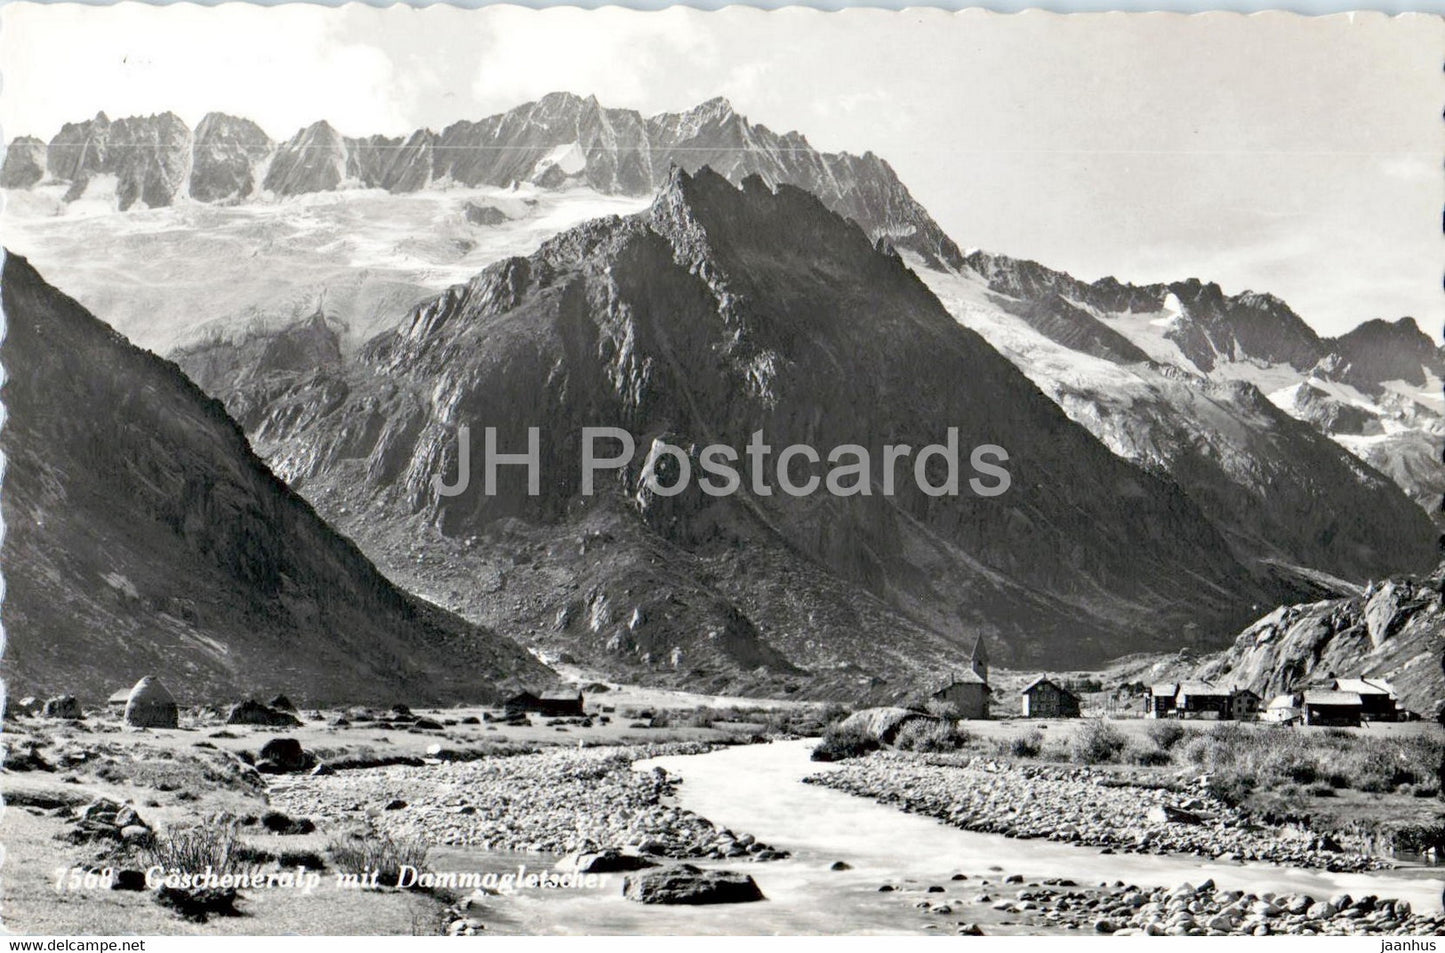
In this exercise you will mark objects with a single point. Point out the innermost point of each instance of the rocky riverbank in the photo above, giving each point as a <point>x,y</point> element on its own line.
<point>1080,805</point>
<point>1007,903</point>
<point>557,801</point>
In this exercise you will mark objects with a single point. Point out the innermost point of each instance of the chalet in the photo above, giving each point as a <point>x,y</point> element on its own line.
<point>1325,707</point>
<point>1244,704</point>
<point>558,703</point>
<point>1161,700</point>
<point>1199,699</point>
<point>1045,698</point>
<point>1377,697</point>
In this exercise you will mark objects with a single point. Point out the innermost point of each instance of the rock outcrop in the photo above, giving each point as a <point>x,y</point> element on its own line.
<point>24,163</point>
<point>1392,630</point>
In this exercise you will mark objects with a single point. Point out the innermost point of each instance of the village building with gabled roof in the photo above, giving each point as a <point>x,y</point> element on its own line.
<point>1046,698</point>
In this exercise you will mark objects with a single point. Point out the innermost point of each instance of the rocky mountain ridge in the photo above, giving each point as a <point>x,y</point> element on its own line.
<point>718,312</point>
<point>560,140</point>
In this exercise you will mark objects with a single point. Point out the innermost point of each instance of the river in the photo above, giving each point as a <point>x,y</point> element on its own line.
<point>755,789</point>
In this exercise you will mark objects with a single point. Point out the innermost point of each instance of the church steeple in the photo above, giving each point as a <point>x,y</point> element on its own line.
<point>978,661</point>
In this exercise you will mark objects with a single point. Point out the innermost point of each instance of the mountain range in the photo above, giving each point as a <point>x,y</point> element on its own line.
<point>561,139</point>
<point>718,312</point>
<point>1184,459</point>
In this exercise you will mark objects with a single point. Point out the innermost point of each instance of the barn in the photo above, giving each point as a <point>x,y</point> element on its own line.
<point>1340,709</point>
<point>1045,698</point>
<point>1377,697</point>
<point>557,703</point>
<point>1199,699</point>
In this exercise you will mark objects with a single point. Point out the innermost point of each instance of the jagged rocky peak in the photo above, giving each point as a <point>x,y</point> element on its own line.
<point>313,160</point>
<point>560,141</point>
<point>24,163</point>
<point>1210,328</point>
<point>151,157</point>
<point>1379,351</point>
<point>79,148</point>
<point>720,310</point>
<point>226,154</point>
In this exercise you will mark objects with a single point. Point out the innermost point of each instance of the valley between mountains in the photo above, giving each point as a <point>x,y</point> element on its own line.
<point>1184,461</point>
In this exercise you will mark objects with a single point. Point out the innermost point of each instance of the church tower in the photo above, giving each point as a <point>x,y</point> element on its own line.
<point>979,660</point>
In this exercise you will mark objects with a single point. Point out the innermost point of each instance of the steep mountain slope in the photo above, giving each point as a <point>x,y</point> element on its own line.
<point>715,314</point>
<point>143,536</point>
<point>1392,630</point>
<point>1376,391</point>
<point>1281,491</point>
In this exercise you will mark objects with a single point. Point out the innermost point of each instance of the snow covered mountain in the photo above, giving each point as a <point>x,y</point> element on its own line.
<point>226,232</point>
<point>1375,391</point>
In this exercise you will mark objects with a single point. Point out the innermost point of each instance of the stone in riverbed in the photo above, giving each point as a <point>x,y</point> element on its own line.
<point>252,712</point>
<point>609,860</point>
<point>686,884</point>
<point>282,756</point>
<point>63,706</point>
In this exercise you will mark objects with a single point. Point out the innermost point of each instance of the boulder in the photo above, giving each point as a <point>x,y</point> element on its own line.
<point>609,860</point>
<point>686,884</point>
<point>63,706</point>
<point>283,756</point>
<point>278,823</point>
<point>1165,814</point>
<point>282,703</point>
<point>252,712</point>
<point>151,706</point>
<point>880,724</point>
<point>29,705</point>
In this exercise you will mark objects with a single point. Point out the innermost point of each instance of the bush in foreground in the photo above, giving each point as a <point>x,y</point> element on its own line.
<point>192,849</point>
<point>1027,745</point>
<point>369,850</point>
<point>931,737</point>
<point>840,744</point>
<point>1096,741</point>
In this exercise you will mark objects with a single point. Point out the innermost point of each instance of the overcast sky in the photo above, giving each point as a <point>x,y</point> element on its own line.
<point>1279,153</point>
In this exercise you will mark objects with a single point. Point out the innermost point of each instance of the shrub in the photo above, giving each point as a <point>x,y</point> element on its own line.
<point>701,717</point>
<point>839,744</point>
<point>191,849</point>
<point>939,708</point>
<point>931,736</point>
<point>1166,734</point>
<point>370,849</point>
<point>1027,745</point>
<point>1302,772</point>
<point>1150,757</point>
<point>1232,789</point>
<point>1096,741</point>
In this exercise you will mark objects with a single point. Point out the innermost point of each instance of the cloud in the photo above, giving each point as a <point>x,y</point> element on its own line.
<point>615,55</point>
<point>280,66</point>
